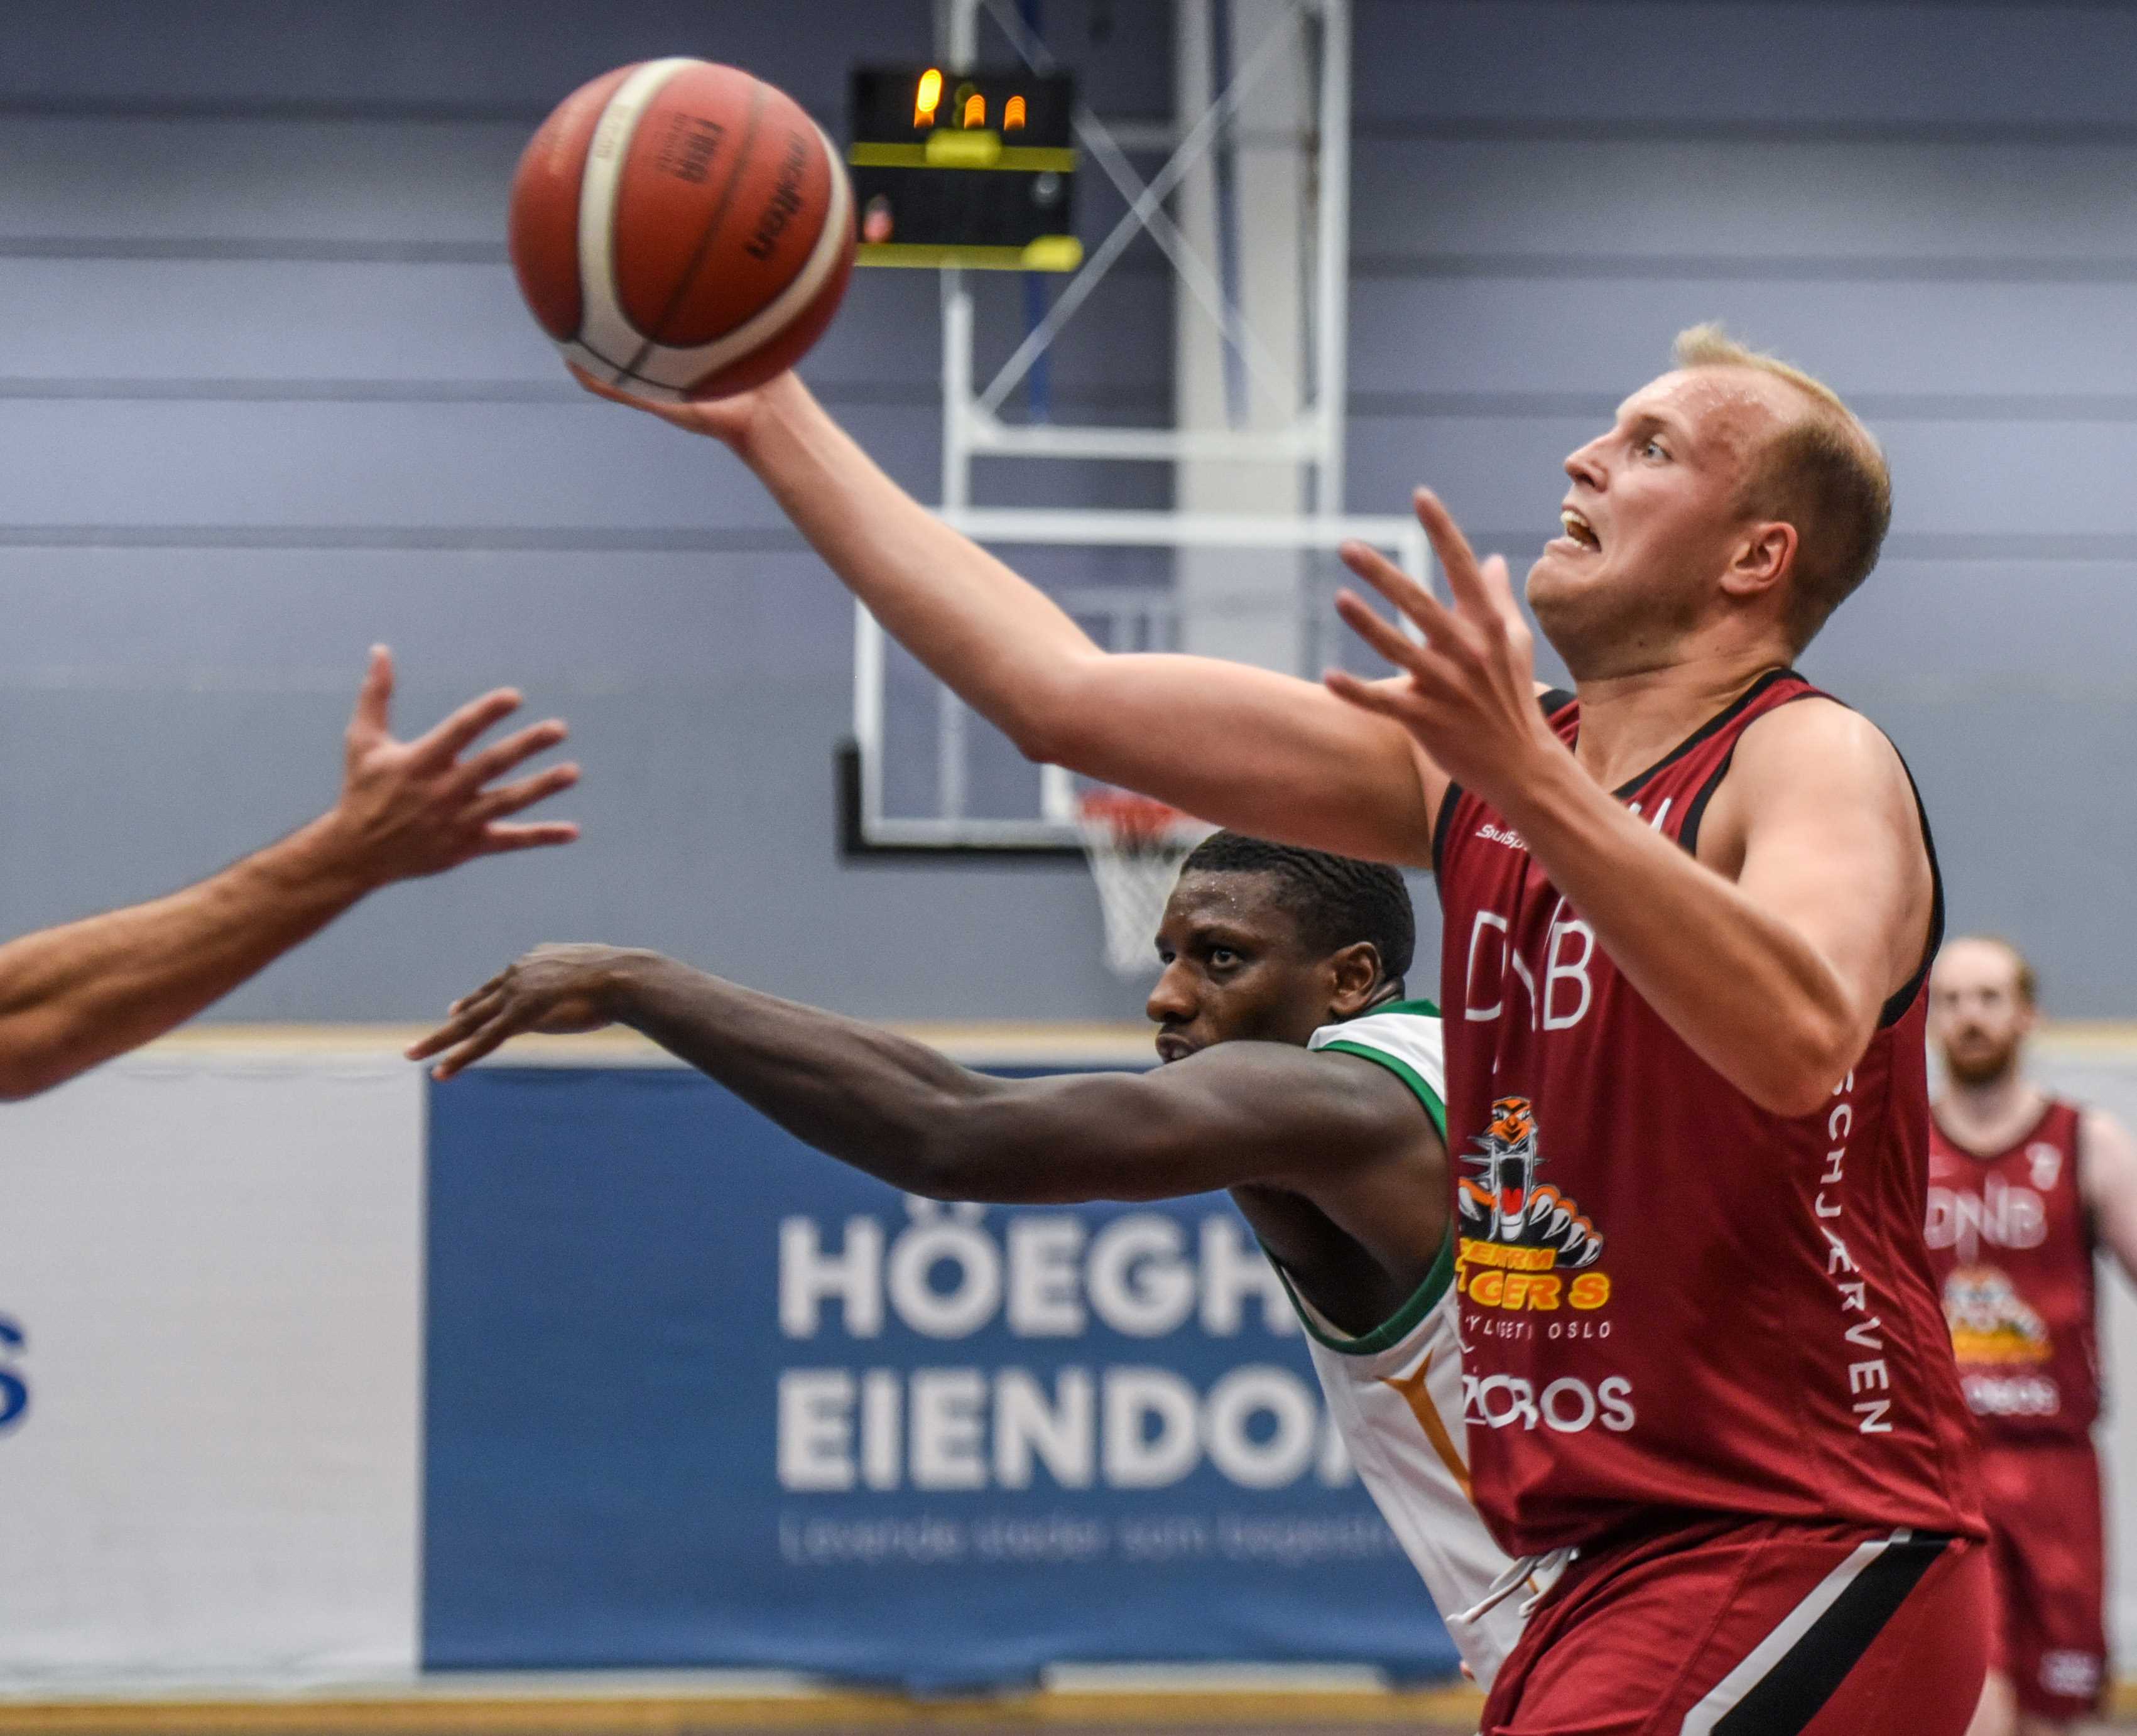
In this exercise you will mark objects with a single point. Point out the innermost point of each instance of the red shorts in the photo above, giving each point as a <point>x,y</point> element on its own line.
<point>1758,1628</point>
<point>2045,1539</point>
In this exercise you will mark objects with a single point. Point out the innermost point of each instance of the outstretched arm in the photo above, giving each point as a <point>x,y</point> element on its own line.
<point>1237,1113</point>
<point>73,996</point>
<point>2107,1178</point>
<point>1262,752</point>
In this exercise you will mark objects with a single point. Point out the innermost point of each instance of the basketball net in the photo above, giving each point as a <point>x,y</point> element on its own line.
<point>1136,845</point>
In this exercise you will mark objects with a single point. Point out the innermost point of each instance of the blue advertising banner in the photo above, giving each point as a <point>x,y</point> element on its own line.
<point>699,1396</point>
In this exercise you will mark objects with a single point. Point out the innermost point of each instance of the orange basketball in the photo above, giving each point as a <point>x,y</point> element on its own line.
<point>682,230</point>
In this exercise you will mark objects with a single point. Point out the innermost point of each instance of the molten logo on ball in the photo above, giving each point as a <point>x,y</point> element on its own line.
<point>692,142</point>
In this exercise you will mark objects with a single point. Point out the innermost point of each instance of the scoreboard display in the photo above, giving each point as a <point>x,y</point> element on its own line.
<point>975,170</point>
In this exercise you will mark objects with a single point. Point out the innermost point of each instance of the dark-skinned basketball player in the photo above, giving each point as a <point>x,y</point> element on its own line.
<point>75,995</point>
<point>1297,1075</point>
<point>1687,923</point>
<point>2024,1190</point>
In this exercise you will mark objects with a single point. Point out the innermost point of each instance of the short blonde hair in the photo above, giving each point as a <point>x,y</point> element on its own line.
<point>1824,473</point>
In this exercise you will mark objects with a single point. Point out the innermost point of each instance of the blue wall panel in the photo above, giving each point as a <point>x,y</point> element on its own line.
<point>609,1479</point>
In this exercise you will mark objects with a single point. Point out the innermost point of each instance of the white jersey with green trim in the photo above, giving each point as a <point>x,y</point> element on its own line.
<point>1396,1393</point>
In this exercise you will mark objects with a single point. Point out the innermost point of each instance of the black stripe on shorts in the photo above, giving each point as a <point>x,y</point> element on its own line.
<point>1795,1691</point>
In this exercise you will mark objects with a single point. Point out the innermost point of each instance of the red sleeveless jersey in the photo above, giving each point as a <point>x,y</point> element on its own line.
<point>1673,1299</point>
<point>2011,1242</point>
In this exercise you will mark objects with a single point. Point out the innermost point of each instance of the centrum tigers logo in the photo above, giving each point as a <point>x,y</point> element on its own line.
<point>1522,1233</point>
<point>1990,1321</point>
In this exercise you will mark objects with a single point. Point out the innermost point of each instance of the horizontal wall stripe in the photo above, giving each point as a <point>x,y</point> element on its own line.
<point>1932,546</point>
<point>1143,135</point>
<point>1616,129</point>
<point>1135,135</point>
<point>1143,261</point>
<point>296,248</point>
<point>1871,406</point>
<point>893,394</point>
<point>1749,268</point>
<point>221,108</point>
<point>560,690</point>
<point>733,539</point>
<point>1835,268</point>
<point>2114,407</point>
<point>2115,550</point>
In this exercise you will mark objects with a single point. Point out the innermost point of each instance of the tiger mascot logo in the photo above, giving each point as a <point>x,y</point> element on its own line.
<point>1990,1321</point>
<point>1504,1202</point>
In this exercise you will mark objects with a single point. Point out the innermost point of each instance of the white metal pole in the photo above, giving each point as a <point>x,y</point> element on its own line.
<point>958,412</point>
<point>1333,312</point>
<point>961,46</point>
<point>958,40</point>
<point>868,714</point>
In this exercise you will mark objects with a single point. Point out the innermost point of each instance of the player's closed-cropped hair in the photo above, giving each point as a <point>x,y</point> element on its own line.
<point>1824,473</point>
<point>2024,977</point>
<point>1338,899</point>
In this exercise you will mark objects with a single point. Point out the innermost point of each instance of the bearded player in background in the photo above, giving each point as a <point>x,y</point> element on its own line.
<point>1687,923</point>
<point>2023,1189</point>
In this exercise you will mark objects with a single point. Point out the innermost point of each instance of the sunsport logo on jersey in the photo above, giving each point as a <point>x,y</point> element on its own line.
<point>1522,1245</point>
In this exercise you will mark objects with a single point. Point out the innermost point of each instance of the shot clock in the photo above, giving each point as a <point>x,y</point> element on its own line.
<point>975,170</point>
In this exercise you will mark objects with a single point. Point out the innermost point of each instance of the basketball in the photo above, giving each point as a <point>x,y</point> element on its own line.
<point>681,229</point>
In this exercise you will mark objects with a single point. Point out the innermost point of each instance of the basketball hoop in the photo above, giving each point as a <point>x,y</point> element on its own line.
<point>1136,845</point>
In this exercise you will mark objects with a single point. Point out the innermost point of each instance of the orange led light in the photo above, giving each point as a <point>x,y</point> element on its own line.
<point>1013,115</point>
<point>926,98</point>
<point>976,111</point>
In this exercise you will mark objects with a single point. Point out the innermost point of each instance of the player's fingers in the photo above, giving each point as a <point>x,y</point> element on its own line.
<point>464,1016</point>
<point>1376,696</point>
<point>1456,559</point>
<point>443,1038</point>
<point>1426,661</point>
<point>444,742</point>
<point>1406,653</point>
<point>473,995</point>
<point>374,696</point>
<point>1432,617</point>
<point>510,798</point>
<point>1499,590</point>
<point>679,414</point>
<point>1382,634</point>
<point>499,757</point>
<point>497,1032</point>
<point>496,840</point>
<point>599,388</point>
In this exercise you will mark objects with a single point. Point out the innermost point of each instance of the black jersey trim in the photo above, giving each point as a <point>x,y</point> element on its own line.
<point>1720,720</point>
<point>1687,835</point>
<point>1553,700</point>
<point>1788,1697</point>
<point>1448,804</point>
<point>1896,1008</point>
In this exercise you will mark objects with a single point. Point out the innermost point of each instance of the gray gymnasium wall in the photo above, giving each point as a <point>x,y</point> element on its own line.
<point>265,396</point>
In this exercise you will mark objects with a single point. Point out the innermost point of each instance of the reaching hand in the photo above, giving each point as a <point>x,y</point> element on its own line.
<point>408,808</point>
<point>556,989</point>
<point>724,419</point>
<point>1467,694</point>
